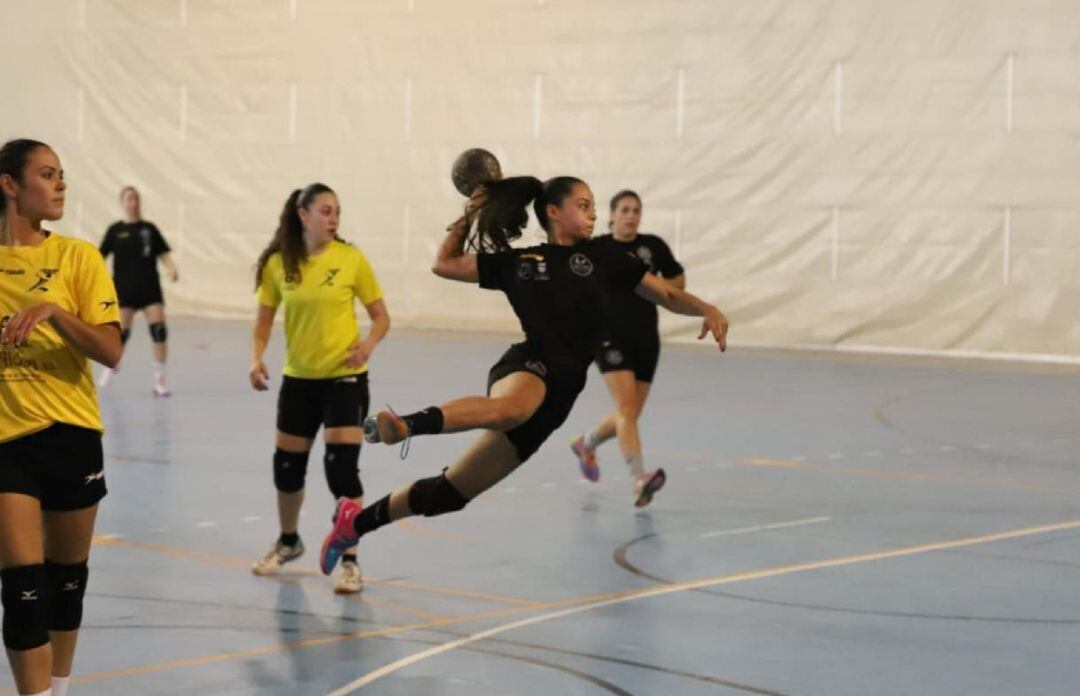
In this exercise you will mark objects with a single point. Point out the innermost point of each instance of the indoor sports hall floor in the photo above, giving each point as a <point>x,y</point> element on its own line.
<point>831,525</point>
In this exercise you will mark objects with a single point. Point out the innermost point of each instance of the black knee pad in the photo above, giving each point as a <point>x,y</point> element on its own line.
<point>343,471</point>
<point>290,469</point>
<point>125,334</point>
<point>158,332</point>
<point>25,597</point>
<point>68,585</point>
<point>435,496</point>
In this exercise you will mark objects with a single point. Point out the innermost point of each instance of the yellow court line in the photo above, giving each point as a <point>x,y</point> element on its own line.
<point>670,588</point>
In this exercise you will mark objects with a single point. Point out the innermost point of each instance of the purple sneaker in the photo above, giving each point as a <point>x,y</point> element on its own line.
<point>341,537</point>
<point>586,459</point>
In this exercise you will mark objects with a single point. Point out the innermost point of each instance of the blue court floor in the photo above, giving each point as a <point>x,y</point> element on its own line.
<point>831,526</point>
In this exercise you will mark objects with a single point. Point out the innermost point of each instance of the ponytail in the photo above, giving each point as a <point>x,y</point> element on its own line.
<point>505,213</point>
<point>289,236</point>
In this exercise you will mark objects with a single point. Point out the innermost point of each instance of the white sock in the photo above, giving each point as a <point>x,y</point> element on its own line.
<point>46,692</point>
<point>159,371</point>
<point>636,464</point>
<point>592,441</point>
<point>60,686</point>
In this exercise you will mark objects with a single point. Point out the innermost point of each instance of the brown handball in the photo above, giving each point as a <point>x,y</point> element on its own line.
<point>474,167</point>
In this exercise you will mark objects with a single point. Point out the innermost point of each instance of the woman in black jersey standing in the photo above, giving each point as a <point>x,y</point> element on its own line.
<point>138,245</point>
<point>630,348</point>
<point>556,291</point>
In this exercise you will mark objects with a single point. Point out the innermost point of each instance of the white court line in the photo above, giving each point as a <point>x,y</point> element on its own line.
<point>549,484</point>
<point>205,525</point>
<point>252,518</point>
<point>764,527</point>
<point>409,660</point>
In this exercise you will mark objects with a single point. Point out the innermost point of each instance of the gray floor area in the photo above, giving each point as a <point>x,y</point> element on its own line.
<point>831,526</point>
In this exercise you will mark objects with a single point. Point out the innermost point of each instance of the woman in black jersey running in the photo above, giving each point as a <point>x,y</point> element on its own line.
<point>556,291</point>
<point>137,246</point>
<point>629,349</point>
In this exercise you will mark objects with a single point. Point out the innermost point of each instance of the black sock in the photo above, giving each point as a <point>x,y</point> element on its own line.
<point>348,558</point>
<point>426,422</point>
<point>289,538</point>
<point>373,516</point>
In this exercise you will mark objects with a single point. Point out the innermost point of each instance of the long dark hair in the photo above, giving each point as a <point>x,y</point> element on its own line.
<point>617,198</point>
<point>13,157</point>
<point>505,213</point>
<point>289,236</point>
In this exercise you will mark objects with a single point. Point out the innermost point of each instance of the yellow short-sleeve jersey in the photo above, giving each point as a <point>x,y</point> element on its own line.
<point>320,309</point>
<point>47,381</point>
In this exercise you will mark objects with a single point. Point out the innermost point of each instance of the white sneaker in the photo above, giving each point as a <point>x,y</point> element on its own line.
<point>646,486</point>
<point>159,387</point>
<point>349,580</point>
<point>279,555</point>
<point>106,376</point>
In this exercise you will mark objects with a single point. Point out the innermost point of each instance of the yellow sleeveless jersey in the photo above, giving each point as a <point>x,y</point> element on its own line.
<point>46,381</point>
<point>320,315</point>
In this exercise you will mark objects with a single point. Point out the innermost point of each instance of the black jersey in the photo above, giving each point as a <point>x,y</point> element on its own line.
<point>557,293</point>
<point>137,246</point>
<point>627,312</point>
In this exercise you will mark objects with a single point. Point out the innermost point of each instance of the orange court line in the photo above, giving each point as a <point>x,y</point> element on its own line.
<point>236,563</point>
<point>669,588</point>
<point>413,528</point>
<point>568,606</point>
<point>904,475</point>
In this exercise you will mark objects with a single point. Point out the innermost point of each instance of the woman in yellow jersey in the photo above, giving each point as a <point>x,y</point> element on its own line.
<point>318,278</point>
<point>57,312</point>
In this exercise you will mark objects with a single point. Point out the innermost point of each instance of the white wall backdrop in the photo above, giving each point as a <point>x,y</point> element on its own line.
<point>831,172</point>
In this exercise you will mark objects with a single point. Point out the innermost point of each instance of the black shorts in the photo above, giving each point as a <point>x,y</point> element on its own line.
<point>563,388</point>
<point>62,466</point>
<point>305,404</point>
<point>140,297</point>
<point>640,355</point>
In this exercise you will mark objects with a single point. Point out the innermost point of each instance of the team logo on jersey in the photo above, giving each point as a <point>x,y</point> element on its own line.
<point>105,304</point>
<point>536,367</point>
<point>645,254</point>
<point>614,356</point>
<point>525,270</point>
<point>330,275</point>
<point>581,265</point>
<point>44,276</point>
<point>96,476</point>
<point>13,271</point>
<point>29,595</point>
